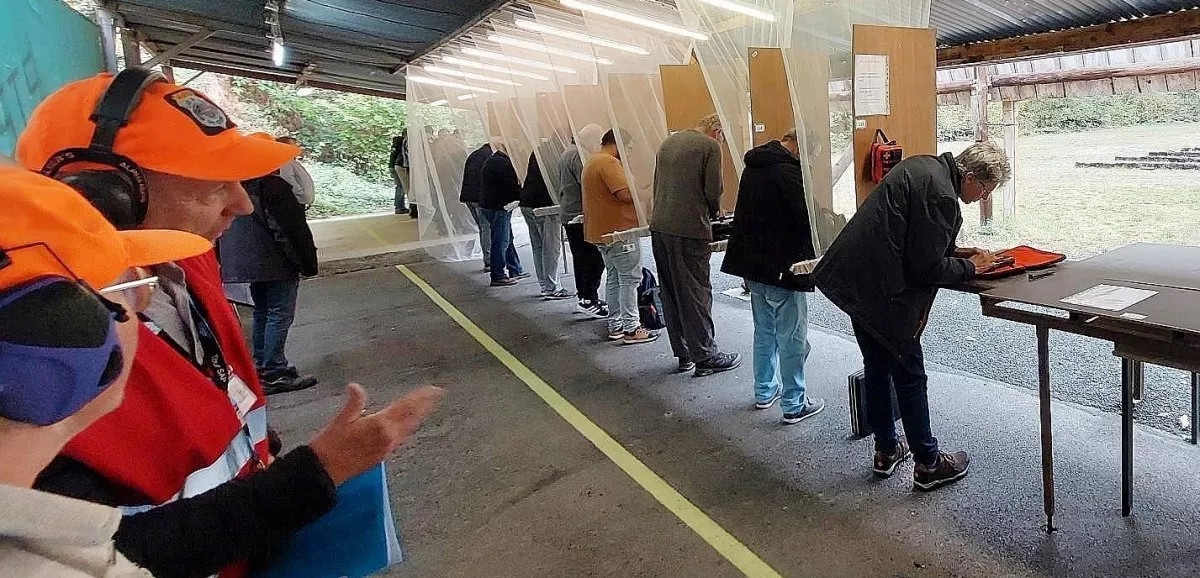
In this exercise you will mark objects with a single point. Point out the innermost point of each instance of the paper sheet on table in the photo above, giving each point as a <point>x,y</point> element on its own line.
<point>1110,297</point>
<point>872,85</point>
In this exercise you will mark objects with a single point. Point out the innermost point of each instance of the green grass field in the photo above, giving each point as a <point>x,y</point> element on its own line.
<point>1082,212</point>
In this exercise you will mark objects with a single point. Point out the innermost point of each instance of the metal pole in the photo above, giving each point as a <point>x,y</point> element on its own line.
<point>1128,367</point>
<point>1043,342</point>
<point>108,39</point>
<point>1195,405</point>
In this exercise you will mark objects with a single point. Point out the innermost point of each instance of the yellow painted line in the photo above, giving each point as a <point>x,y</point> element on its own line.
<point>722,541</point>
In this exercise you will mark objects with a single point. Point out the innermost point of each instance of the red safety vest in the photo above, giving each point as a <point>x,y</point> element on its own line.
<point>176,434</point>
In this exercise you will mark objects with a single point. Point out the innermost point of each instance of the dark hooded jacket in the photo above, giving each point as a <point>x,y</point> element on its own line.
<point>885,267</point>
<point>771,229</point>
<point>501,185</point>
<point>472,181</point>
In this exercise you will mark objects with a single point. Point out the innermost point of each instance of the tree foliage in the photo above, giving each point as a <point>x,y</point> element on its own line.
<point>348,130</point>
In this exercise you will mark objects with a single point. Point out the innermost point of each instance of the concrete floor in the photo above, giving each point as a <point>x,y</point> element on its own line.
<point>497,484</point>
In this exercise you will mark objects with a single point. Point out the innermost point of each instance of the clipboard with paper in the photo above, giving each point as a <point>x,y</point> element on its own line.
<point>357,538</point>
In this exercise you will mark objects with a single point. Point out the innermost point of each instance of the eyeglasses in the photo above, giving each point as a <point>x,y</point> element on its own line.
<point>136,289</point>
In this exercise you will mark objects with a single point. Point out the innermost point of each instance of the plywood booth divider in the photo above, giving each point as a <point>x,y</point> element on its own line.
<point>912,90</point>
<point>686,100</point>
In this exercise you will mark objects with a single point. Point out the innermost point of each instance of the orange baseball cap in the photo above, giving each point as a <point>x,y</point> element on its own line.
<point>173,130</point>
<point>40,211</point>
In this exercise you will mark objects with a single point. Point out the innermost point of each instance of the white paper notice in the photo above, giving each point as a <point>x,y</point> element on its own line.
<point>1110,297</point>
<point>871,85</point>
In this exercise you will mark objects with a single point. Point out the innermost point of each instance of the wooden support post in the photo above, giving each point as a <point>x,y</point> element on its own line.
<point>130,47</point>
<point>979,110</point>
<point>1010,150</point>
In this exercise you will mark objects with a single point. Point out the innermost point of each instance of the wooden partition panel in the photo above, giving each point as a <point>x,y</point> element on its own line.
<point>770,97</point>
<point>552,116</point>
<point>686,100</point>
<point>586,105</point>
<point>912,60</point>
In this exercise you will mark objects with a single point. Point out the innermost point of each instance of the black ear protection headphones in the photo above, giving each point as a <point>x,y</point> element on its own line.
<point>118,190</point>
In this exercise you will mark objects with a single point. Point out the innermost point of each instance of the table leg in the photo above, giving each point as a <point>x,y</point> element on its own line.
<point>1195,405</point>
<point>1127,382</point>
<point>1043,341</point>
<point>1139,381</point>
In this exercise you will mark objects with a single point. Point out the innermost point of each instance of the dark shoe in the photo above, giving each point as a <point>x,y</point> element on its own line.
<point>639,336</point>
<point>811,407</point>
<point>601,311</point>
<point>885,464</point>
<point>767,404</point>
<point>558,295</point>
<point>686,365</point>
<point>520,275</point>
<point>487,268</point>
<point>287,384</point>
<point>504,282</point>
<point>947,469</point>
<point>718,363</point>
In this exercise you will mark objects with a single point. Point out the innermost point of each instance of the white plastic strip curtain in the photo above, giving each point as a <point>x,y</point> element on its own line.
<point>443,128</point>
<point>631,86</point>
<point>815,37</point>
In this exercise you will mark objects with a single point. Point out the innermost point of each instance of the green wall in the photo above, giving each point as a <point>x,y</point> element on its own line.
<point>44,44</point>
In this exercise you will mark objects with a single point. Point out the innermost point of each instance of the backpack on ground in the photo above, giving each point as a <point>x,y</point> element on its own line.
<point>649,307</point>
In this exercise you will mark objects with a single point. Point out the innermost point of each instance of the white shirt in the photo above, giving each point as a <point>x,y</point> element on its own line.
<point>302,184</point>
<point>44,535</point>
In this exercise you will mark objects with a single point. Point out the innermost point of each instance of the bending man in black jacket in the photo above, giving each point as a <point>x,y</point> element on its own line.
<point>471,192</point>
<point>771,232</point>
<point>500,193</point>
<point>884,271</point>
<point>271,249</point>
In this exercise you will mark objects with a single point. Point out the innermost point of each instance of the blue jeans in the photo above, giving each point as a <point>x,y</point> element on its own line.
<point>780,344</point>
<point>485,232</point>
<point>274,311</point>
<point>545,234</point>
<point>881,372</point>
<point>623,264</point>
<point>504,251</point>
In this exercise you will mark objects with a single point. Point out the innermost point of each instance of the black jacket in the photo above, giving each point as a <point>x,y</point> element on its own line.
<point>500,183</point>
<point>771,230</point>
<point>274,243</point>
<point>472,181</point>
<point>885,267</point>
<point>246,519</point>
<point>534,193</point>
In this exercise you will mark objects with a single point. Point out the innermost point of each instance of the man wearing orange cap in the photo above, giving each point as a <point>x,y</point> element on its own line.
<point>186,456</point>
<point>70,289</point>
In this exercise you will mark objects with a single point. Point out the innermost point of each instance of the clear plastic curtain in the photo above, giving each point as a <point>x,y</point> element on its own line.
<point>442,131</point>
<point>815,37</point>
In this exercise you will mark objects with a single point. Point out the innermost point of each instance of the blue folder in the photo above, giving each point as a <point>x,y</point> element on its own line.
<point>357,538</point>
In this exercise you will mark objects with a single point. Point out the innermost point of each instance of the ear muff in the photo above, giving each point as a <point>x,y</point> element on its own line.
<point>59,350</point>
<point>113,183</point>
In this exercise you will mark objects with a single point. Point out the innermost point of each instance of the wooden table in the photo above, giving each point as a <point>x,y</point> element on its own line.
<point>1161,330</point>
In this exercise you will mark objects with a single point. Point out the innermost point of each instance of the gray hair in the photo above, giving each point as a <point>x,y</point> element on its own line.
<point>789,135</point>
<point>987,161</point>
<point>709,122</point>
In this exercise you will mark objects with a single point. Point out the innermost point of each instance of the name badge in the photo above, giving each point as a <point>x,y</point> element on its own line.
<point>241,396</point>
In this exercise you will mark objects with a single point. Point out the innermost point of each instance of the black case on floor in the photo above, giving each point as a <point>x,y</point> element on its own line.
<point>859,424</point>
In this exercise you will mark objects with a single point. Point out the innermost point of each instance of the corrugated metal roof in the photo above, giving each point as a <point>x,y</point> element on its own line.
<point>362,45</point>
<point>356,45</point>
<point>965,21</point>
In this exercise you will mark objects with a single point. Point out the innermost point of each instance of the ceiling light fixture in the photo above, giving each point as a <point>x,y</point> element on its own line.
<point>539,47</point>
<point>741,9</point>
<point>468,75</point>
<point>515,60</point>
<point>467,96</point>
<point>578,36</point>
<point>439,102</point>
<point>491,67</point>
<point>447,84</point>
<point>634,19</point>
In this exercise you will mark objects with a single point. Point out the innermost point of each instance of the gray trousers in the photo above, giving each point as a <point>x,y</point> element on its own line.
<point>686,292</point>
